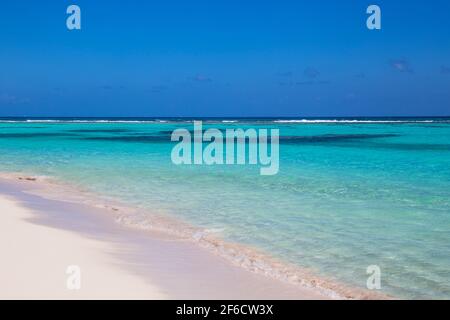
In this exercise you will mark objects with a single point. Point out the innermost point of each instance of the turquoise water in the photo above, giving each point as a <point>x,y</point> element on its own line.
<point>349,194</point>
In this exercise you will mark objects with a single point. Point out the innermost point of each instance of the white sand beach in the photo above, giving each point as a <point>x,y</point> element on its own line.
<point>35,259</point>
<point>40,238</point>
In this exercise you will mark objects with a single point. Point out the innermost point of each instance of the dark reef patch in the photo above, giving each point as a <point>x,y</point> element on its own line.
<point>33,135</point>
<point>164,136</point>
<point>99,130</point>
<point>332,138</point>
<point>140,138</point>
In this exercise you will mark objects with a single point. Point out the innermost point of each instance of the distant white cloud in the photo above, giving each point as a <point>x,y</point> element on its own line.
<point>311,73</point>
<point>401,65</point>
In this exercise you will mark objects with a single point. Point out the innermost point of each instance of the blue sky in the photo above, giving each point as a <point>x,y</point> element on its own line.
<point>224,58</point>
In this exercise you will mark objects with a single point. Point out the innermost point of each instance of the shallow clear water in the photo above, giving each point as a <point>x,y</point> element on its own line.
<point>349,194</point>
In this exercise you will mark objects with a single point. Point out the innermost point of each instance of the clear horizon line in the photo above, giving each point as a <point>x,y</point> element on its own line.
<point>221,117</point>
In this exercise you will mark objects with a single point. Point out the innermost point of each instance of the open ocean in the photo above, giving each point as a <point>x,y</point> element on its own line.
<point>350,192</point>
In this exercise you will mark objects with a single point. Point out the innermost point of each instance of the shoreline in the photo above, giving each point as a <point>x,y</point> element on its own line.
<point>40,238</point>
<point>248,260</point>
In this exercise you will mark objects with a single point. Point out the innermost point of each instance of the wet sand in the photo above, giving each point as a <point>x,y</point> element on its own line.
<point>41,237</point>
